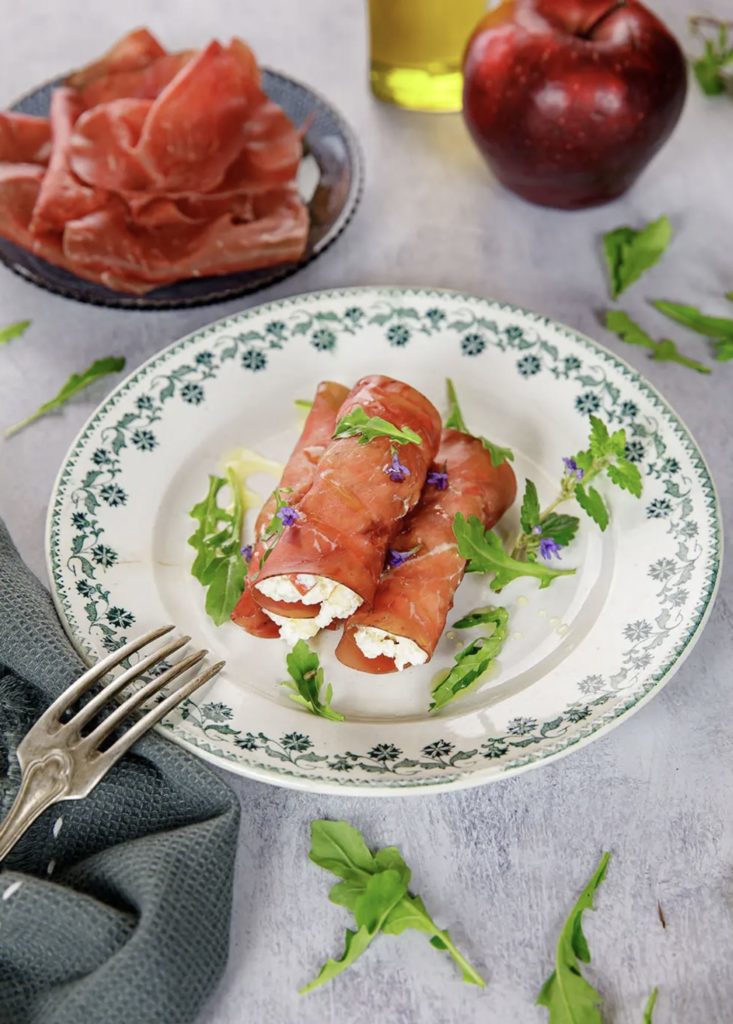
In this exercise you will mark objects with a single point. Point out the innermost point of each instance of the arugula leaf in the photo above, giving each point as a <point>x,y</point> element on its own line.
<point>219,565</point>
<point>529,514</point>
<point>375,888</point>
<point>303,403</point>
<point>485,553</point>
<point>593,504</point>
<point>474,660</point>
<point>560,527</point>
<point>649,1008</point>
<point>367,428</point>
<point>720,328</point>
<point>629,253</point>
<point>718,54</point>
<point>76,383</point>
<point>566,993</point>
<point>455,421</point>
<point>13,331</point>
<point>664,351</point>
<point>306,673</point>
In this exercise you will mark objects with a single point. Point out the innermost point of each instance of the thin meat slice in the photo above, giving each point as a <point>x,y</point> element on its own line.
<point>63,196</point>
<point>412,601</point>
<point>20,185</point>
<point>330,560</point>
<point>24,139</point>
<point>296,479</point>
<point>135,50</point>
<point>194,129</point>
<point>103,147</point>
<point>139,83</point>
<point>138,259</point>
<point>272,147</point>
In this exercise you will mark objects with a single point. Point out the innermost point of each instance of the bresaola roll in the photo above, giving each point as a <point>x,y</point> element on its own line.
<point>296,479</point>
<point>330,558</point>
<point>409,608</point>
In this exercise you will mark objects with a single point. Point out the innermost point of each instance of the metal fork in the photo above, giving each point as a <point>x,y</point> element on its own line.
<point>59,763</point>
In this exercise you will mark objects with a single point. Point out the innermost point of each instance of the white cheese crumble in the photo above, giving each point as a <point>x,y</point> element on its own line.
<point>373,642</point>
<point>336,601</point>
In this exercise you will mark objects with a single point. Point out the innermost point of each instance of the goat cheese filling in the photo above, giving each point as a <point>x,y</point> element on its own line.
<point>336,602</point>
<point>373,642</point>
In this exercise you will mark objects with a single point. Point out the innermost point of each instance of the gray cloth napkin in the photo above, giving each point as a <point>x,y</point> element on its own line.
<point>122,911</point>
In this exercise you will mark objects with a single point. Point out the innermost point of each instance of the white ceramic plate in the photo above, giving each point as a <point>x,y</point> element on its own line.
<point>581,656</point>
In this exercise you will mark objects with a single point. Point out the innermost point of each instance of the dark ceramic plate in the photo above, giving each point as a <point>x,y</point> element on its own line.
<point>330,179</point>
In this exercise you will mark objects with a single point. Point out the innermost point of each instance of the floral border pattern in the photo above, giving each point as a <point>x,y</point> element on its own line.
<point>252,350</point>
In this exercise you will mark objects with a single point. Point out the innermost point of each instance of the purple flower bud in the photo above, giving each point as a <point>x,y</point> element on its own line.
<point>395,470</point>
<point>537,530</point>
<point>247,552</point>
<point>572,468</point>
<point>287,515</point>
<point>437,479</point>
<point>549,547</point>
<point>397,558</point>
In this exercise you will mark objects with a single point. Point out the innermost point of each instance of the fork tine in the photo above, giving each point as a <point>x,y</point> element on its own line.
<point>152,717</point>
<point>139,697</point>
<point>87,713</point>
<point>96,672</point>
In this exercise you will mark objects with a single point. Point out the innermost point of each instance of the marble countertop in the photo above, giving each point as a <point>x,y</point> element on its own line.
<point>501,865</point>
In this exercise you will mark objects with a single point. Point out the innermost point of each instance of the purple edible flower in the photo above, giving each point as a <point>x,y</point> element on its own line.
<point>537,530</point>
<point>437,479</point>
<point>549,547</point>
<point>287,515</point>
<point>247,552</point>
<point>397,558</point>
<point>572,468</point>
<point>395,470</point>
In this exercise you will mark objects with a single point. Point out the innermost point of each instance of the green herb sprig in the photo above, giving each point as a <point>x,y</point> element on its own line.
<point>219,565</point>
<point>719,328</point>
<point>455,421</point>
<point>605,455</point>
<point>13,331</point>
<point>374,887</point>
<point>306,681</point>
<point>76,383</point>
<point>275,528</point>
<point>629,253</point>
<point>473,662</point>
<point>367,428</point>
<point>484,552</point>
<point>710,69</point>
<point>664,351</point>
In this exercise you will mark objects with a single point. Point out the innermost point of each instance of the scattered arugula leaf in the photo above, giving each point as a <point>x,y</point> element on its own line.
<point>630,253</point>
<point>13,331</point>
<point>306,674</point>
<point>472,663</point>
<point>303,403</point>
<point>374,888</point>
<point>367,428</point>
<point>720,328</point>
<point>566,993</point>
<point>76,383</point>
<point>664,351</point>
<point>649,1008</point>
<point>718,54</point>
<point>219,565</point>
<point>455,421</point>
<point>484,552</point>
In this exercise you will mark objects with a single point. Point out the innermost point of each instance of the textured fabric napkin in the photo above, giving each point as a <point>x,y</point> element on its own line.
<point>113,909</point>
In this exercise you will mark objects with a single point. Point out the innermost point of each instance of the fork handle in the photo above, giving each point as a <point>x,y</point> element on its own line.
<point>44,782</point>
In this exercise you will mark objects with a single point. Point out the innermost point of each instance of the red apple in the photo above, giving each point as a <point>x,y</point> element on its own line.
<point>568,100</point>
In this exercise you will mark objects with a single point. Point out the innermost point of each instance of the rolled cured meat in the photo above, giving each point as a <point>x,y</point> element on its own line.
<point>407,616</point>
<point>329,560</point>
<point>297,478</point>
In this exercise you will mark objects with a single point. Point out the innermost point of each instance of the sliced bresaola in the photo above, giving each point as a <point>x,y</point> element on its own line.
<point>20,185</point>
<point>24,139</point>
<point>139,83</point>
<point>353,508</point>
<point>134,51</point>
<point>296,479</point>
<point>413,599</point>
<point>63,196</point>
<point>194,129</point>
<point>103,147</point>
<point>112,250</point>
